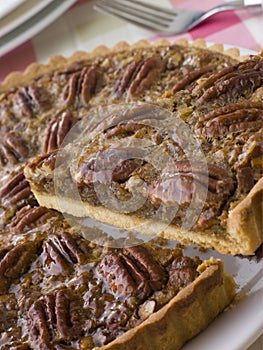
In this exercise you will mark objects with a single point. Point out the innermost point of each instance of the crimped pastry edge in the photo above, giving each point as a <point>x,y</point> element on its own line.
<point>186,315</point>
<point>36,70</point>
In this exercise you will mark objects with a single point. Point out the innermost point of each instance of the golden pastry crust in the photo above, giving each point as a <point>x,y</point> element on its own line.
<point>247,217</point>
<point>55,63</point>
<point>242,239</point>
<point>184,316</point>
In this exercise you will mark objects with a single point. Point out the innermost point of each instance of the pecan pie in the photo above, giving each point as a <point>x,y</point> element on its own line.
<point>59,290</point>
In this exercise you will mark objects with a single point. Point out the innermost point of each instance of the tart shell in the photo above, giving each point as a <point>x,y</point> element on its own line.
<point>184,316</point>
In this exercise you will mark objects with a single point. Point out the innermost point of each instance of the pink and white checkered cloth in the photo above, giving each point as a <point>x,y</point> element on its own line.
<point>80,28</point>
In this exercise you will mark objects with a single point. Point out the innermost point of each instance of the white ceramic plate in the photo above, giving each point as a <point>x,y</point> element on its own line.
<point>238,327</point>
<point>6,6</point>
<point>34,25</point>
<point>21,14</point>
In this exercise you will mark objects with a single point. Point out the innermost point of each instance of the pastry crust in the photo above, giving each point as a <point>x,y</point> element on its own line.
<point>247,217</point>
<point>184,316</point>
<point>36,70</point>
<point>245,223</point>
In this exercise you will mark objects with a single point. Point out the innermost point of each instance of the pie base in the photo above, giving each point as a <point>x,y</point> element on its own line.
<point>247,233</point>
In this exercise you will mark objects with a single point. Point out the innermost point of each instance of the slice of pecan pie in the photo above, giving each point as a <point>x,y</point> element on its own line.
<point>183,147</point>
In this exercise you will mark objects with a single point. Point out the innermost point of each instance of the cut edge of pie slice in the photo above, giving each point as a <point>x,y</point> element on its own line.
<point>244,222</point>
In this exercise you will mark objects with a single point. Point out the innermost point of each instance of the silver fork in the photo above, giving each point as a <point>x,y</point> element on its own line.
<point>165,20</point>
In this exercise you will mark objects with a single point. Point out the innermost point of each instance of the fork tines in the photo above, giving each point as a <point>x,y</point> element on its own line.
<point>137,12</point>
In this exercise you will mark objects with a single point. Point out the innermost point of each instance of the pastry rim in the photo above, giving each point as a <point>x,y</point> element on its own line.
<point>36,70</point>
<point>217,298</point>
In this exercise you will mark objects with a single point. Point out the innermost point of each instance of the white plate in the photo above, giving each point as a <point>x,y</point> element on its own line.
<point>238,327</point>
<point>6,6</point>
<point>34,25</point>
<point>21,14</point>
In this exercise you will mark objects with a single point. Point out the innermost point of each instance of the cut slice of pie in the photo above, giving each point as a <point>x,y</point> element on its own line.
<point>177,154</point>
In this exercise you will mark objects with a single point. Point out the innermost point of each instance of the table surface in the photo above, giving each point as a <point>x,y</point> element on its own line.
<point>80,28</point>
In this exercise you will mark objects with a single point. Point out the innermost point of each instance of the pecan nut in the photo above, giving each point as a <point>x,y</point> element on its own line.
<point>190,77</point>
<point>233,118</point>
<point>180,186</point>
<point>183,271</point>
<point>132,273</point>
<point>83,85</point>
<point>16,190</point>
<point>104,166</point>
<point>29,217</point>
<point>57,130</point>
<point>189,183</point>
<point>245,180</point>
<point>14,148</point>
<point>15,262</point>
<point>61,252</point>
<point>231,82</point>
<point>56,316</point>
<point>31,99</point>
<point>139,76</point>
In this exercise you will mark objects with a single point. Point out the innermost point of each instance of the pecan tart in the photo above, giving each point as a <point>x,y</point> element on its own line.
<point>59,290</point>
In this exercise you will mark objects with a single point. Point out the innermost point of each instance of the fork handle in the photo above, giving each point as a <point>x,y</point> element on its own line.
<point>248,3</point>
<point>237,4</point>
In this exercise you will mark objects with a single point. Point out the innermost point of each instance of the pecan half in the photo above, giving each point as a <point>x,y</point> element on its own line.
<point>61,252</point>
<point>105,166</point>
<point>183,271</point>
<point>15,262</point>
<point>16,190</point>
<point>139,76</point>
<point>231,82</point>
<point>132,273</point>
<point>30,217</point>
<point>56,316</point>
<point>249,166</point>
<point>83,85</point>
<point>189,183</point>
<point>14,148</point>
<point>31,99</point>
<point>231,119</point>
<point>190,77</point>
<point>57,130</point>
<point>179,187</point>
